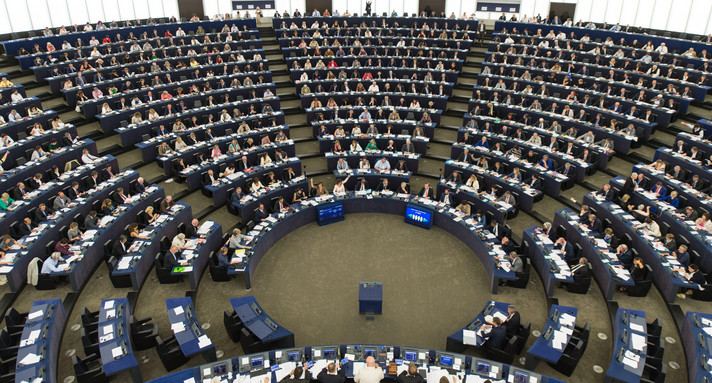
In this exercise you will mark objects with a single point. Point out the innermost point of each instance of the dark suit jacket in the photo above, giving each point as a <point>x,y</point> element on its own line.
<point>430,193</point>
<point>261,214</point>
<point>138,188</point>
<point>17,194</point>
<point>512,324</point>
<point>23,229</point>
<point>536,185</point>
<point>582,272</point>
<point>496,338</point>
<point>242,166</point>
<point>117,250</point>
<point>169,260</point>
<point>596,225</point>
<point>41,215</point>
<point>324,377</point>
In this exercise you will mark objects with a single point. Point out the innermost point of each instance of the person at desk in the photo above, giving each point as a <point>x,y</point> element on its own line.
<point>237,195</point>
<point>694,275</point>
<point>318,190</point>
<point>496,338</point>
<point>296,375</point>
<point>466,156</point>
<point>651,226</point>
<point>610,238</point>
<point>119,247</point>
<point>427,192</point>
<point>508,198</point>
<point>170,260</point>
<point>625,255</point>
<point>331,374</point>
<point>499,231</point>
<point>179,241</point>
<point>281,205</point>
<point>411,375</point>
<point>513,319</point>
<point>74,234</point>
<point>5,201</point>
<point>594,224</point>
<point>534,182</point>
<point>261,213</point>
<point>25,227</point>
<point>682,255</point>
<point>581,269</point>
<point>567,249</point>
<point>167,204</point>
<point>52,265</point>
<point>236,239</point>
<point>371,373</point>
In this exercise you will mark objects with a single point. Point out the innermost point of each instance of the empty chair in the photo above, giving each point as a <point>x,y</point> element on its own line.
<point>90,342</point>
<point>15,318</point>
<point>233,325</point>
<point>654,328</point>
<point>248,341</point>
<point>579,285</point>
<point>119,281</point>
<point>503,356</point>
<point>9,345</point>
<point>569,359</point>
<point>143,334</point>
<point>170,353</point>
<point>89,316</point>
<point>523,336</point>
<point>89,369</point>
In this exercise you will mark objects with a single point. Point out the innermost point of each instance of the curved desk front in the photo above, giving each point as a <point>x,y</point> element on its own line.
<point>305,212</point>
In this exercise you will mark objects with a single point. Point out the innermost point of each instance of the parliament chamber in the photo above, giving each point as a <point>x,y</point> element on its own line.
<point>256,191</point>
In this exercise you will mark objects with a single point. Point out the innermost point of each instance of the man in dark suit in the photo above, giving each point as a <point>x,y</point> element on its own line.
<point>243,164</point>
<point>119,197</point>
<point>25,227</point>
<point>42,213</point>
<point>107,173</point>
<point>170,260</point>
<point>512,321</point>
<point>192,229</point>
<point>361,185</point>
<point>455,178</point>
<point>677,173</point>
<point>93,181</point>
<point>237,195</point>
<point>580,270</point>
<point>594,224</point>
<point>695,182</point>
<point>209,178</point>
<point>75,191</point>
<point>568,249</point>
<point>261,213</point>
<point>36,181</point>
<point>280,205</point>
<point>625,255</point>
<point>331,374</point>
<point>500,231</point>
<point>19,192</point>
<point>447,198</point>
<point>606,192</point>
<point>140,186</point>
<point>167,204</point>
<point>508,245</point>
<point>497,337</point>
<point>427,192</point>
<point>383,186</point>
<point>629,184</point>
<point>534,182</point>
<point>119,247</point>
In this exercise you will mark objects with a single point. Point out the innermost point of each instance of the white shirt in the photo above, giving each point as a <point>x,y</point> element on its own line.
<point>369,375</point>
<point>89,159</point>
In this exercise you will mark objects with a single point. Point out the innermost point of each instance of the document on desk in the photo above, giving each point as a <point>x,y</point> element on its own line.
<point>204,341</point>
<point>358,366</point>
<point>35,314</point>
<point>636,327</point>
<point>434,376</point>
<point>117,352</point>
<point>30,359</point>
<point>178,327</point>
<point>260,378</point>
<point>567,319</point>
<point>638,342</point>
<point>469,337</point>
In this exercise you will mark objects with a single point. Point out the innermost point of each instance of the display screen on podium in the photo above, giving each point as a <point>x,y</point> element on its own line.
<point>330,213</point>
<point>418,216</point>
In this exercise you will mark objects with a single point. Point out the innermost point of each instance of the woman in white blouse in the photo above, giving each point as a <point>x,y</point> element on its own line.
<point>355,147</point>
<point>256,185</point>
<point>340,187</point>
<point>36,129</point>
<point>473,183</point>
<point>153,115</point>
<point>180,144</point>
<point>265,159</point>
<point>105,108</point>
<point>136,118</point>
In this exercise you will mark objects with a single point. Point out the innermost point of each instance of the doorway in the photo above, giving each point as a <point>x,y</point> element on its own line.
<point>437,6</point>
<point>188,8</point>
<point>321,5</point>
<point>565,11</point>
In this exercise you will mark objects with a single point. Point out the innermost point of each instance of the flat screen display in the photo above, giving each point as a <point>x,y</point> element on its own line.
<point>257,362</point>
<point>293,356</point>
<point>330,354</point>
<point>482,368</point>
<point>418,216</point>
<point>369,352</point>
<point>520,377</point>
<point>446,360</point>
<point>330,213</point>
<point>411,356</point>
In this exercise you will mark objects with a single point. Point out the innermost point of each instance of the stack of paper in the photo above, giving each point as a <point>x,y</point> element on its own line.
<point>204,341</point>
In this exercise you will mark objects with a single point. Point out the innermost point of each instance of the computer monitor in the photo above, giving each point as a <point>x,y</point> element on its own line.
<point>329,353</point>
<point>330,213</point>
<point>410,356</point>
<point>482,368</point>
<point>369,352</point>
<point>446,360</point>
<point>294,356</point>
<point>419,216</point>
<point>522,376</point>
<point>257,362</point>
<point>220,368</point>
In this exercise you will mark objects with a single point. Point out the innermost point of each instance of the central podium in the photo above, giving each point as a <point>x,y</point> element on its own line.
<point>370,298</point>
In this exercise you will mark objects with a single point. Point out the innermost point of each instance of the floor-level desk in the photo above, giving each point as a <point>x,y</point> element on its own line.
<point>373,178</point>
<point>270,334</point>
<point>697,341</point>
<point>629,346</point>
<point>38,354</point>
<point>480,201</point>
<point>607,269</point>
<point>185,325</point>
<point>554,338</point>
<point>115,338</point>
<point>456,342</point>
<point>246,207</point>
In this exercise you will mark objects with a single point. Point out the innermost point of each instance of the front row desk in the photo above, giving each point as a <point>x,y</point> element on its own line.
<point>697,340</point>
<point>39,346</point>
<point>279,224</point>
<point>277,364</point>
<point>269,334</point>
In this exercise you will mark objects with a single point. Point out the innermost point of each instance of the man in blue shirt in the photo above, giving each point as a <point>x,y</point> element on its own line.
<point>545,162</point>
<point>682,255</point>
<point>223,259</point>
